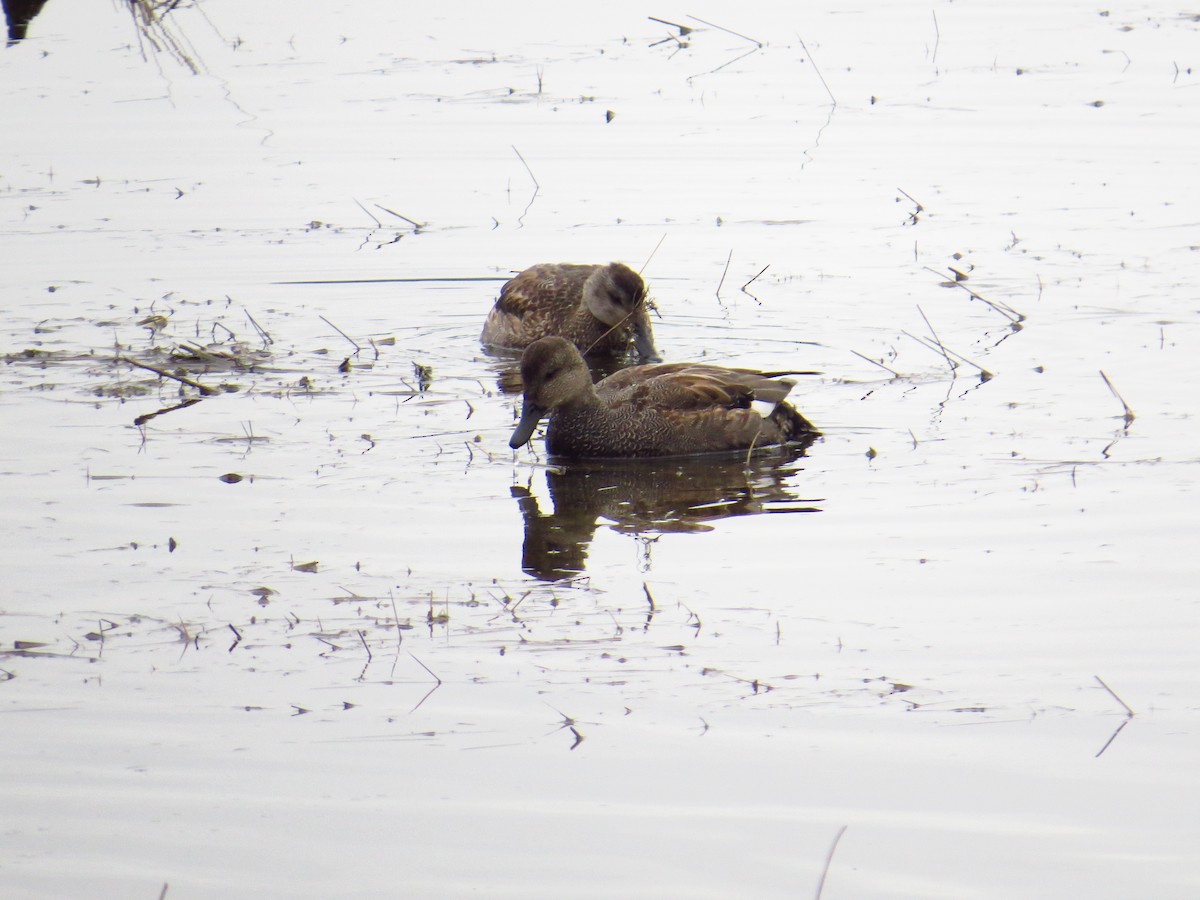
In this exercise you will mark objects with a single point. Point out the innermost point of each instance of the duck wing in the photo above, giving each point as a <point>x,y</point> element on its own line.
<point>690,387</point>
<point>544,287</point>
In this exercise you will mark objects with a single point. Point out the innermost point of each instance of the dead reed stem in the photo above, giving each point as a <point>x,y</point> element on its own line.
<point>937,340</point>
<point>417,226</point>
<point>526,165</point>
<point>724,272</point>
<point>874,362</point>
<point>652,252</point>
<point>754,41</point>
<point>202,388</point>
<point>1128,712</point>
<point>755,278</point>
<point>1129,416</point>
<point>816,69</point>
<point>1003,308</point>
<point>356,345</point>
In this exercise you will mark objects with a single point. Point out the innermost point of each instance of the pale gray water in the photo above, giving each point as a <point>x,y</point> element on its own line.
<point>916,661</point>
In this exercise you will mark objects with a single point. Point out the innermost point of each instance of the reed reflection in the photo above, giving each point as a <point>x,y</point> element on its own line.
<point>644,497</point>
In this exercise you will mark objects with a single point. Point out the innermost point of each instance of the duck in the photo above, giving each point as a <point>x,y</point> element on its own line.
<point>652,411</point>
<point>601,309</point>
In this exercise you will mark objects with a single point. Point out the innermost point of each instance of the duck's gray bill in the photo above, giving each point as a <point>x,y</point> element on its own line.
<point>643,342</point>
<point>530,416</point>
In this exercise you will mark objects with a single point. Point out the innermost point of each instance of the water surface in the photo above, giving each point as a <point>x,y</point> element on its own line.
<point>322,633</point>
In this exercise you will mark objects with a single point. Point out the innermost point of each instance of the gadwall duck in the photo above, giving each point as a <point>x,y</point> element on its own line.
<point>676,409</point>
<point>600,309</point>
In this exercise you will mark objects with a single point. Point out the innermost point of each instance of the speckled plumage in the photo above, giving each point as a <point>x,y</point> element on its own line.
<point>678,409</point>
<point>600,309</point>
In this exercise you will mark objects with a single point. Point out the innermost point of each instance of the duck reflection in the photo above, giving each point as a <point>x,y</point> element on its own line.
<point>685,495</point>
<point>18,14</point>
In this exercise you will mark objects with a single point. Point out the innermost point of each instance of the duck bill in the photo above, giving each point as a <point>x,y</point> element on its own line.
<point>643,342</point>
<point>531,414</point>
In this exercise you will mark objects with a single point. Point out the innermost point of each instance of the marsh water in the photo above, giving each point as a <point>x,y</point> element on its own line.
<point>315,630</point>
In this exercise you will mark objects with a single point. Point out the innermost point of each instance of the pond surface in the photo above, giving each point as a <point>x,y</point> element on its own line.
<point>317,631</point>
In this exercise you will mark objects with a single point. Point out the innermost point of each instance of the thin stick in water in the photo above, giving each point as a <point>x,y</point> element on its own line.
<point>915,201</point>
<point>755,278</point>
<point>824,83</point>
<point>202,388</point>
<point>984,374</point>
<point>342,333</point>
<point>724,273</point>
<point>417,226</point>
<point>683,29</point>
<point>726,30</point>
<point>362,637</point>
<point>937,339</point>
<point>874,362</point>
<point>651,256</point>
<point>262,332</point>
<point>649,596</point>
<point>1129,416</point>
<point>526,165</point>
<point>1128,712</point>
<point>378,224</point>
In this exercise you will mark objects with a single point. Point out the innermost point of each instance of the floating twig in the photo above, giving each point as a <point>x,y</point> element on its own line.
<point>875,362</point>
<point>755,278</point>
<point>526,165</point>
<point>913,216</point>
<point>724,273</point>
<point>984,374</point>
<point>754,41</point>
<point>146,417</point>
<point>417,226</point>
<point>378,224</point>
<point>1003,308</point>
<point>536,187</point>
<point>427,669</point>
<point>1129,714</point>
<point>431,690</point>
<point>262,332</point>
<point>202,388</point>
<point>362,637</point>
<point>357,346</point>
<point>1129,416</point>
<point>683,29</point>
<point>652,252</point>
<point>824,83</point>
<point>937,340</point>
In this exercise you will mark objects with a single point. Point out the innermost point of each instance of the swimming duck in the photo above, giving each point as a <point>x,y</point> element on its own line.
<point>600,309</point>
<point>674,409</point>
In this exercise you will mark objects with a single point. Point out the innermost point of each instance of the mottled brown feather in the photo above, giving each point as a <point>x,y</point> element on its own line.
<point>679,409</point>
<point>600,309</point>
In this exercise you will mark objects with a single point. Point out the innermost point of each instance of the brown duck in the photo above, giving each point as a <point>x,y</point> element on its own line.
<point>676,409</point>
<point>600,309</point>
